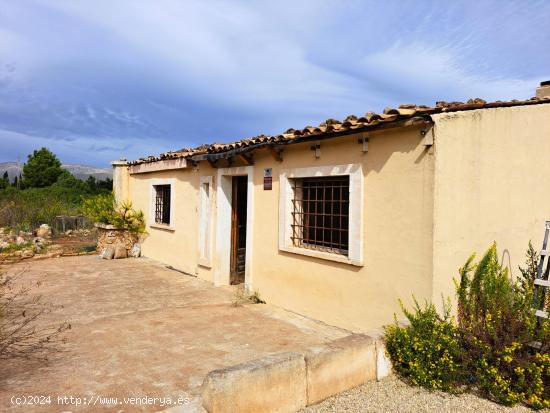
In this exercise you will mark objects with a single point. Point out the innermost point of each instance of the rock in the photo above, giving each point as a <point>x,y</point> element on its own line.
<point>55,248</point>
<point>69,232</point>
<point>3,245</point>
<point>108,253</point>
<point>120,251</point>
<point>38,244</point>
<point>39,241</point>
<point>44,231</point>
<point>27,254</point>
<point>20,240</point>
<point>135,252</point>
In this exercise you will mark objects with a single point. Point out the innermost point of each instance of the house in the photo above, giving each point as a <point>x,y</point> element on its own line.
<point>340,221</point>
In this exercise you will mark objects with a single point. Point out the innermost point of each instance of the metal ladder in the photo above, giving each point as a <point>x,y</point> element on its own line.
<point>542,283</point>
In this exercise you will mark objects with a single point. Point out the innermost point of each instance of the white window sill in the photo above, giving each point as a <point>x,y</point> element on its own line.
<point>322,255</point>
<point>205,263</point>
<point>163,227</point>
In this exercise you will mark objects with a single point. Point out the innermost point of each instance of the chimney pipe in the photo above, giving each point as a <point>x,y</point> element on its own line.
<point>543,91</point>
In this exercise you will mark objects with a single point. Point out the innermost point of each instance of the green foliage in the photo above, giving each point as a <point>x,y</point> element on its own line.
<point>488,346</point>
<point>4,181</point>
<point>529,272</point>
<point>16,247</point>
<point>104,209</point>
<point>100,208</point>
<point>42,169</point>
<point>428,351</point>
<point>69,181</point>
<point>515,375</point>
<point>497,323</point>
<point>49,191</point>
<point>26,209</point>
<point>491,308</point>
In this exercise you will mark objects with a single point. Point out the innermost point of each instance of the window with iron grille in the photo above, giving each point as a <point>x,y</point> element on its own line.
<point>162,204</point>
<point>320,215</point>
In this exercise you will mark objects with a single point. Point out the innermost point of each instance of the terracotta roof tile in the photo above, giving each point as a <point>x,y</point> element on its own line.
<point>334,126</point>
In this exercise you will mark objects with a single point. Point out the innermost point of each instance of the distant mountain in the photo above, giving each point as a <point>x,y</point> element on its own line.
<point>84,171</point>
<point>80,171</point>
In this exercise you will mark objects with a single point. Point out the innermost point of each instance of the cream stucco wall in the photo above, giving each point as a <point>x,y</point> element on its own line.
<point>398,199</point>
<point>397,231</point>
<point>121,180</point>
<point>491,168</point>
<point>177,246</point>
<point>425,210</point>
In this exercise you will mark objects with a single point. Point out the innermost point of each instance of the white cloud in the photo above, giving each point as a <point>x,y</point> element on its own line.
<point>168,73</point>
<point>426,71</point>
<point>84,149</point>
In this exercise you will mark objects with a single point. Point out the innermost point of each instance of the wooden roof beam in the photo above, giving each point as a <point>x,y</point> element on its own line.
<point>276,153</point>
<point>245,159</point>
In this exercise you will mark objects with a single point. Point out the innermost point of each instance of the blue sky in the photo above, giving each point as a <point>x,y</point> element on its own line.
<point>99,80</point>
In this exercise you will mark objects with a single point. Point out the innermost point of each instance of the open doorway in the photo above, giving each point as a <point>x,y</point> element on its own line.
<point>238,229</point>
<point>234,211</point>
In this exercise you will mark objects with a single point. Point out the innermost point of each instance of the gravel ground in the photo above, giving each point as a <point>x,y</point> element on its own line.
<point>393,395</point>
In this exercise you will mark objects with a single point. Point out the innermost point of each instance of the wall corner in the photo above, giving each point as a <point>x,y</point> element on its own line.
<point>121,178</point>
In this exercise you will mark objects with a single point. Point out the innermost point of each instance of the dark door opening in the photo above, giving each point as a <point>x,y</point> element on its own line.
<point>238,229</point>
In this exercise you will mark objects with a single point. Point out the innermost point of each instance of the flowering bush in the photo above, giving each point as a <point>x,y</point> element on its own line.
<point>489,345</point>
<point>104,209</point>
<point>428,351</point>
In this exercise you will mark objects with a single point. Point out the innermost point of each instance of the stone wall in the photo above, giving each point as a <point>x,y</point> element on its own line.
<point>108,235</point>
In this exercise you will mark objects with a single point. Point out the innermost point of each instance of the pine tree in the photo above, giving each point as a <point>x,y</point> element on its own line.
<point>42,169</point>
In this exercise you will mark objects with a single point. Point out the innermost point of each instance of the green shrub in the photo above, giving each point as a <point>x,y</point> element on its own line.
<point>100,208</point>
<point>515,375</point>
<point>488,347</point>
<point>27,209</point>
<point>104,209</point>
<point>16,247</point>
<point>428,351</point>
<point>497,324</point>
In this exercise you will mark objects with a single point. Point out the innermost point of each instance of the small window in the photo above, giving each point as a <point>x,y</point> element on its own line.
<point>320,213</point>
<point>162,204</point>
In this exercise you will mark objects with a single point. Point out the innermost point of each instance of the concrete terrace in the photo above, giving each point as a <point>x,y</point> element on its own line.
<point>140,329</point>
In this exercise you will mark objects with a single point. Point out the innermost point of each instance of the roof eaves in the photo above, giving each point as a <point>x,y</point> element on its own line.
<point>333,128</point>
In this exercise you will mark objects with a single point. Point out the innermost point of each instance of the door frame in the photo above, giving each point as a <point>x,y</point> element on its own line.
<point>235,222</point>
<point>224,195</point>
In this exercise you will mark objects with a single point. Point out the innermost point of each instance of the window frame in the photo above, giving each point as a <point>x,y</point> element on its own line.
<point>162,208</point>
<point>206,209</point>
<point>152,216</point>
<point>355,223</point>
<point>320,220</point>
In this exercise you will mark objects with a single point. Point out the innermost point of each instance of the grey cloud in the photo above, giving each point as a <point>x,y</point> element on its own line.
<point>139,77</point>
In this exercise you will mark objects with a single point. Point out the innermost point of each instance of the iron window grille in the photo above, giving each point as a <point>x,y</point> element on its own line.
<point>162,204</point>
<point>320,213</point>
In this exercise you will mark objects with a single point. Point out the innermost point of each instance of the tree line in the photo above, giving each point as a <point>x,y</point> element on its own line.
<point>43,169</point>
<point>43,191</point>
